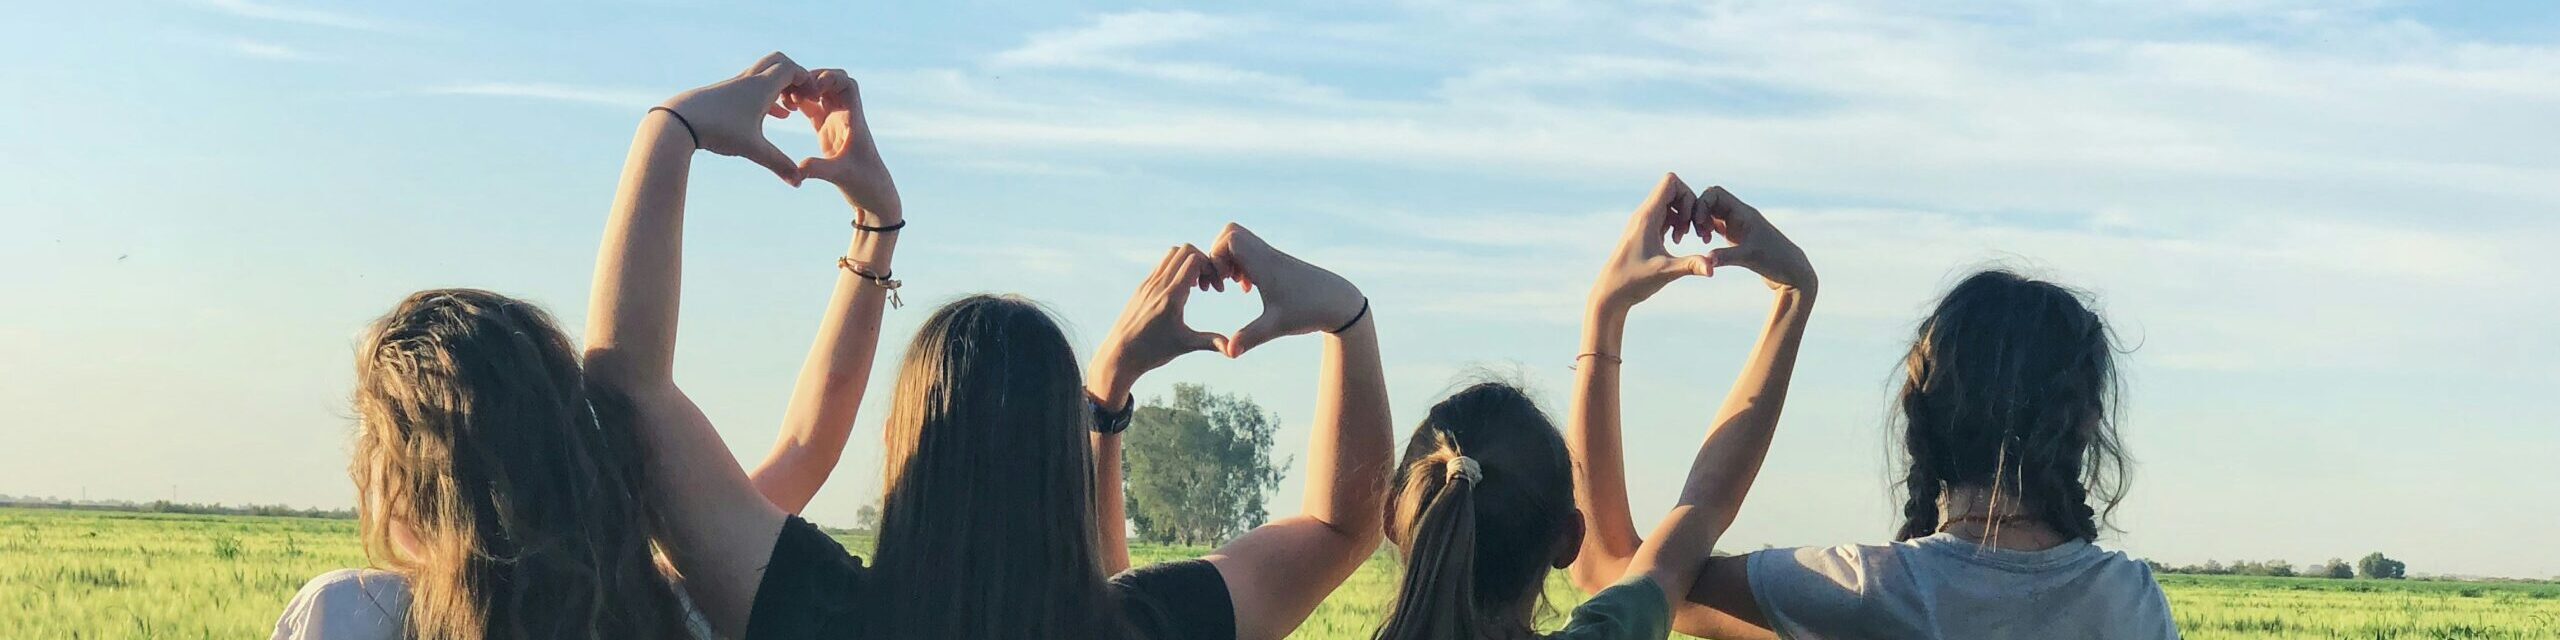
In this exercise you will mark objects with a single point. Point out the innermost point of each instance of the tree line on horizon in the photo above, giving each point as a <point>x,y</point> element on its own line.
<point>2373,566</point>
<point>187,508</point>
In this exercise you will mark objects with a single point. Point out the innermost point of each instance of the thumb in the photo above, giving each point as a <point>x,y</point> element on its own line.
<point>762,152</point>
<point>808,168</point>
<point>1695,265</point>
<point>1729,257</point>
<point>1262,329</point>
<point>1206,341</point>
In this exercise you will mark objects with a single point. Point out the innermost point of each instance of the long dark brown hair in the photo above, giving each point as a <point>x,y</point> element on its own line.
<point>987,530</point>
<point>476,439</point>
<point>1477,553</point>
<point>2009,387</point>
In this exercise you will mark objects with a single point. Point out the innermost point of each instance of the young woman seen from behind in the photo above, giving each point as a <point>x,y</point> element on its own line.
<point>495,499</point>
<point>1484,503</point>
<point>989,525</point>
<point>2012,460</point>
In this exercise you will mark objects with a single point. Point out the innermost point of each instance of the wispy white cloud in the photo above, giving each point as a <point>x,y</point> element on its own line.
<point>1131,44</point>
<point>257,10</point>
<point>264,50</point>
<point>605,96</point>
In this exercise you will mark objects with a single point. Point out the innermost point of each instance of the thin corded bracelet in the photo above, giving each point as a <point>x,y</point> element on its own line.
<point>688,125</point>
<point>1355,318</point>
<point>893,228</point>
<point>1595,355</point>
<point>878,280</point>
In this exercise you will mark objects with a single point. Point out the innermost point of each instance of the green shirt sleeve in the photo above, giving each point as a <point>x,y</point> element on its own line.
<point>1633,609</point>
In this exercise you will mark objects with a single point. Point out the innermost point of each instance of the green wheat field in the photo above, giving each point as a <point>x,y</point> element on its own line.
<point>83,574</point>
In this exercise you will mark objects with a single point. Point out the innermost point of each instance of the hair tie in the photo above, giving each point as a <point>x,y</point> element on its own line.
<point>1465,467</point>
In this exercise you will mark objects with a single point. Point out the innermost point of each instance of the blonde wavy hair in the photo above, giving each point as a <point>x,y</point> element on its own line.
<point>522,503</point>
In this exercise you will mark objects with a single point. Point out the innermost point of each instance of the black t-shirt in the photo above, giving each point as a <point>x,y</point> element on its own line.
<point>811,590</point>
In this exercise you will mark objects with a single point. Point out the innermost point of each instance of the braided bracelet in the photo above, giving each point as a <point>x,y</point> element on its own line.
<point>880,280</point>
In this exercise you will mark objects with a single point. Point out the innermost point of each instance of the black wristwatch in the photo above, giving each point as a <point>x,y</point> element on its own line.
<point>1106,421</point>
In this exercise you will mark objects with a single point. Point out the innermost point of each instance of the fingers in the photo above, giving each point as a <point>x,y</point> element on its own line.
<point>1731,215</point>
<point>1226,253</point>
<point>840,87</point>
<point>768,61</point>
<point>762,152</point>
<point>1681,212</point>
<point>1190,266</point>
<point>1197,271</point>
<point>1658,217</point>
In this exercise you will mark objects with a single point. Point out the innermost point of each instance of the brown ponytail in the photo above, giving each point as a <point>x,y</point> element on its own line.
<point>1482,505</point>
<point>1437,599</point>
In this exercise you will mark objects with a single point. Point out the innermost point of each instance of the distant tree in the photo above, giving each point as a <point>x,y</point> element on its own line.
<point>1199,468</point>
<point>2376,566</point>
<point>2213,567</point>
<point>867,518</point>
<point>2337,569</point>
<point>2279,568</point>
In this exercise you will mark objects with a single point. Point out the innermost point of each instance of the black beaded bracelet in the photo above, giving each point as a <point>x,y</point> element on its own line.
<point>858,225</point>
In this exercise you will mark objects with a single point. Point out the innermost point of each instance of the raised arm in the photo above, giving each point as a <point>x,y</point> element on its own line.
<point>838,369</point>
<point>1718,602</point>
<point>1639,267</point>
<point>718,530</point>
<point>1278,573</point>
<point>1150,334</point>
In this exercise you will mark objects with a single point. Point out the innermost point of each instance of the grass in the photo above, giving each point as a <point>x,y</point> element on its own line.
<point>81,574</point>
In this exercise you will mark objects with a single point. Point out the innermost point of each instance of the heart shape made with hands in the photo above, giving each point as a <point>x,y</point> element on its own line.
<point>728,118</point>
<point>1643,263</point>
<point>1297,298</point>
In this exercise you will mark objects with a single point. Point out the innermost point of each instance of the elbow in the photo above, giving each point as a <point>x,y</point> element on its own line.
<point>1360,540</point>
<point>623,371</point>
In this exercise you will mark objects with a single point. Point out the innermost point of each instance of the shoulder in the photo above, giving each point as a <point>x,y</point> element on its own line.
<point>347,603</point>
<point>1633,608</point>
<point>1845,566</point>
<point>811,585</point>
<point>1185,599</point>
<point>1808,589</point>
<point>2136,590</point>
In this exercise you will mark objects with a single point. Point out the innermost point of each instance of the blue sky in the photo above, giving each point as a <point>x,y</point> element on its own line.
<point>2325,225</point>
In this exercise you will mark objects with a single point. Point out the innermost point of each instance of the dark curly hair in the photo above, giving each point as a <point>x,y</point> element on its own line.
<point>2010,387</point>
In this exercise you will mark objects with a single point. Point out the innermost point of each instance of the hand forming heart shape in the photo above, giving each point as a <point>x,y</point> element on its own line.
<point>1297,298</point>
<point>727,117</point>
<point>1642,264</point>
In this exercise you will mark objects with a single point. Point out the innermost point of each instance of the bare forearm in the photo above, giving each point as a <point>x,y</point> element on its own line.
<point>1729,460</point>
<point>832,382</point>
<point>1353,438</point>
<point>1731,457</point>
<point>631,316</point>
<point>1593,436</point>
<point>1110,505</point>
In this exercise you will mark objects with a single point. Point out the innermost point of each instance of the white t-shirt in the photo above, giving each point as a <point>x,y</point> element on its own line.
<point>368,604</point>
<point>1945,587</point>
<point>351,604</point>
